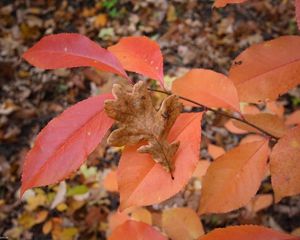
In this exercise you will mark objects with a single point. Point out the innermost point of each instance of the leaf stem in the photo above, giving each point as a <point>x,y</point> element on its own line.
<point>220,112</point>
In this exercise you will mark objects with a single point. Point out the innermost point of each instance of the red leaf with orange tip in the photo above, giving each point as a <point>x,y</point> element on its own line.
<point>138,174</point>
<point>207,87</point>
<point>285,165</point>
<point>223,3</point>
<point>136,231</point>
<point>246,232</point>
<point>141,55</point>
<point>63,145</point>
<point>67,50</point>
<point>234,178</point>
<point>260,76</point>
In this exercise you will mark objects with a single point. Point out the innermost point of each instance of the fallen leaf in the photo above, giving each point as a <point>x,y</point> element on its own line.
<point>297,5</point>
<point>60,195</point>
<point>246,232</point>
<point>138,120</point>
<point>260,76</point>
<point>141,55</point>
<point>234,178</point>
<point>182,223</point>
<point>285,165</point>
<point>67,50</point>
<point>136,231</point>
<point>138,174</point>
<point>207,87</point>
<point>223,3</point>
<point>63,145</point>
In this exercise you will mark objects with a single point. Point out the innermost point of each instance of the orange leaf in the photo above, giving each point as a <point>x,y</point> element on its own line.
<point>234,178</point>
<point>268,69</point>
<point>67,50</point>
<point>276,108</point>
<point>201,169</point>
<point>116,219</point>
<point>142,215</point>
<point>207,87</point>
<point>110,181</point>
<point>232,128</point>
<point>266,121</point>
<point>285,165</point>
<point>136,231</point>
<point>293,119</point>
<point>260,202</point>
<point>138,174</point>
<point>181,223</point>
<point>251,138</point>
<point>63,145</point>
<point>223,3</point>
<point>141,55</point>
<point>246,232</point>
<point>250,109</point>
<point>215,151</point>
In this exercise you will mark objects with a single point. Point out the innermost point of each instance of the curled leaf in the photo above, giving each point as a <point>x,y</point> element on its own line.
<point>138,120</point>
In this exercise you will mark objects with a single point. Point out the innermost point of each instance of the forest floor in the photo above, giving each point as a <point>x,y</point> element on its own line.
<point>191,35</point>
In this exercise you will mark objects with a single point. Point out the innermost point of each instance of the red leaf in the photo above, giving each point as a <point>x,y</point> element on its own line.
<point>234,178</point>
<point>285,165</point>
<point>207,87</point>
<point>63,145</point>
<point>67,50</point>
<point>136,231</point>
<point>266,70</point>
<point>246,232</point>
<point>138,174</point>
<point>223,3</point>
<point>141,55</point>
<point>297,5</point>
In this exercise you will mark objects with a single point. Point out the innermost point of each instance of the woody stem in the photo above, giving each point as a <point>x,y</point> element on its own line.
<point>220,112</point>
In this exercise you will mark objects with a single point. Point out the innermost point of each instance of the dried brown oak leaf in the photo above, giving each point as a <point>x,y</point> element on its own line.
<point>138,120</point>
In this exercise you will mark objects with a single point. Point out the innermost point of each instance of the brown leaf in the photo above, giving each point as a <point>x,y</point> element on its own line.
<point>138,120</point>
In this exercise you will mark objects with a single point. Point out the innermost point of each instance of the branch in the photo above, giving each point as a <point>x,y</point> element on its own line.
<point>220,112</point>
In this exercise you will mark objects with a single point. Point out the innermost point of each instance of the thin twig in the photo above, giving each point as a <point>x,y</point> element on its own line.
<point>220,112</point>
